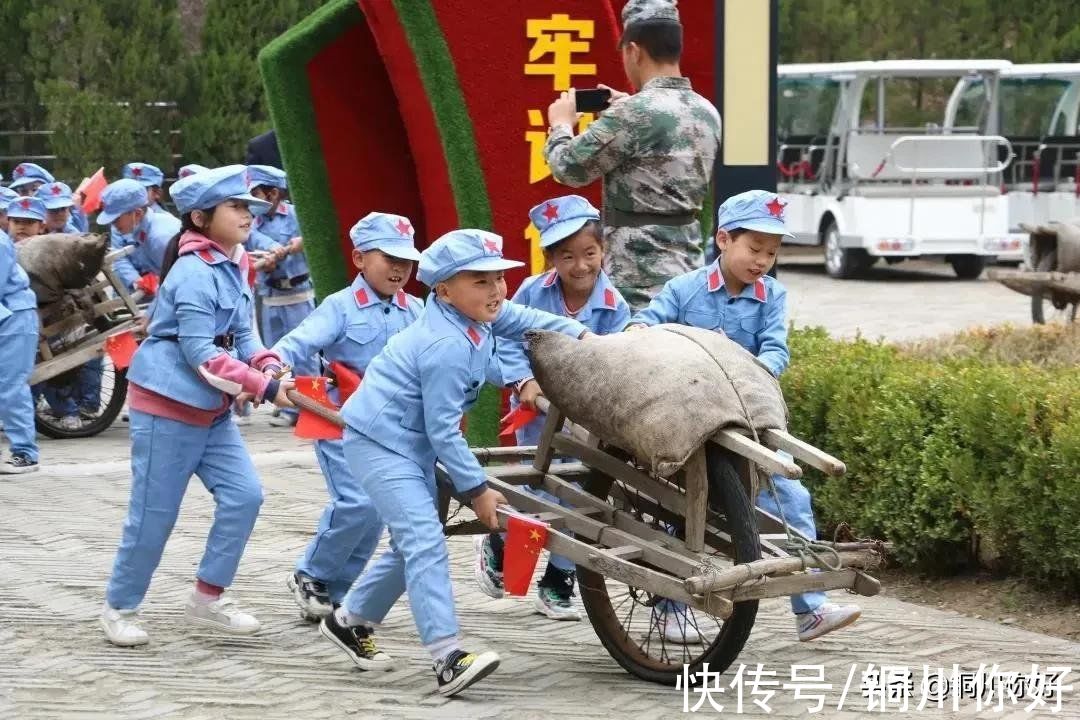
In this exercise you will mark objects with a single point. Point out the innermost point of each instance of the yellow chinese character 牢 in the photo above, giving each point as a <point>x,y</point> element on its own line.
<point>561,38</point>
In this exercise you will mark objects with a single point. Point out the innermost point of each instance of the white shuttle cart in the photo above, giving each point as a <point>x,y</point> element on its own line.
<point>864,182</point>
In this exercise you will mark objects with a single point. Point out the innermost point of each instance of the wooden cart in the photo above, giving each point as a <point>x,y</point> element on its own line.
<point>696,546</point>
<point>68,344</point>
<point>1054,295</point>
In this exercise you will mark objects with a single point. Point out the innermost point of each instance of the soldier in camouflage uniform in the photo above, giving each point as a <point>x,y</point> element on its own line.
<point>655,151</point>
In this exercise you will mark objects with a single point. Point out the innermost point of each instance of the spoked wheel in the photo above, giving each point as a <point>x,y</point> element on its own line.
<point>81,402</point>
<point>650,636</point>
<point>1048,307</point>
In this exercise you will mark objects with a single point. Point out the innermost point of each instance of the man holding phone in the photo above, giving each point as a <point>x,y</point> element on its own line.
<point>654,150</point>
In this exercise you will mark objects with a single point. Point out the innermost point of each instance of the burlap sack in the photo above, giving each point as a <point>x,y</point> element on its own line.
<point>59,262</point>
<point>1068,245</point>
<point>657,393</point>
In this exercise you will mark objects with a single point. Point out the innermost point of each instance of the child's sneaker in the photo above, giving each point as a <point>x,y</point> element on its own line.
<point>460,669</point>
<point>221,614</point>
<point>18,464</point>
<point>825,619</point>
<point>121,627</point>
<point>70,423</point>
<point>287,420</point>
<point>673,622</point>
<point>555,595</point>
<point>488,570</point>
<point>358,642</point>
<point>311,596</point>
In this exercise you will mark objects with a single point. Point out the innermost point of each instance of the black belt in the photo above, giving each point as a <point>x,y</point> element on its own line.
<point>225,342</point>
<point>620,218</point>
<point>288,283</point>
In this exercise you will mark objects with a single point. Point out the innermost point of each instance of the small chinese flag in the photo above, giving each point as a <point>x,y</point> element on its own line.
<point>310,426</point>
<point>517,418</point>
<point>348,380</point>
<point>91,188</point>
<point>148,283</point>
<point>525,538</point>
<point>121,348</point>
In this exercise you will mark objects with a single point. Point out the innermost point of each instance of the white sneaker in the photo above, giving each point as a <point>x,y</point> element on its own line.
<point>221,614</point>
<point>70,423</point>
<point>121,627</point>
<point>676,626</point>
<point>555,606</point>
<point>825,619</point>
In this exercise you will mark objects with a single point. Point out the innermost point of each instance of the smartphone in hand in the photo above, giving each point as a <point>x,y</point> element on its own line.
<point>593,100</point>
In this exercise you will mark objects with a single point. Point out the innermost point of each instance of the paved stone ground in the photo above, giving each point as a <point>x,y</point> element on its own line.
<point>59,528</point>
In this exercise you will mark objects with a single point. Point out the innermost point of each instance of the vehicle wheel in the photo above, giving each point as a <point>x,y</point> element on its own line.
<point>967,267</point>
<point>626,618</point>
<point>113,396</point>
<point>1047,308</point>
<point>840,262</point>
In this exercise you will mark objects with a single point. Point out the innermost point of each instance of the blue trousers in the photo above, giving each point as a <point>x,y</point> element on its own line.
<point>417,562</point>
<point>794,498</point>
<point>18,350</point>
<point>277,322</point>
<point>164,455</point>
<point>349,529</point>
<point>84,392</point>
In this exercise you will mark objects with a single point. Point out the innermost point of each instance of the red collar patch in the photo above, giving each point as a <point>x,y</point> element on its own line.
<point>715,280</point>
<point>142,236</point>
<point>550,279</point>
<point>609,297</point>
<point>206,255</point>
<point>474,336</point>
<point>402,299</point>
<point>361,297</point>
<point>282,210</point>
<point>759,290</point>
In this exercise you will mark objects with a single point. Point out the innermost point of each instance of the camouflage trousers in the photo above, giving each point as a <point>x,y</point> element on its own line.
<point>640,260</point>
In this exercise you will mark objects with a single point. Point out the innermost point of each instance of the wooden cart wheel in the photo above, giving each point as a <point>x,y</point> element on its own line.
<point>628,620</point>
<point>1047,308</point>
<point>113,396</point>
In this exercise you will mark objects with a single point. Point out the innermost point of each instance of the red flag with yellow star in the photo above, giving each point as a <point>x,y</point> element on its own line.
<point>309,425</point>
<point>525,538</point>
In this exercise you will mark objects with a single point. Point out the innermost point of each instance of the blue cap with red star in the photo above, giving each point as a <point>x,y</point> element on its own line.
<point>386,232</point>
<point>758,210</point>
<point>561,217</point>
<point>143,173</point>
<point>27,173</point>
<point>461,250</point>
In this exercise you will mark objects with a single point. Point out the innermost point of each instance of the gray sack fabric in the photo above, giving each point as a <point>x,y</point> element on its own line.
<point>59,262</point>
<point>1068,245</point>
<point>657,393</point>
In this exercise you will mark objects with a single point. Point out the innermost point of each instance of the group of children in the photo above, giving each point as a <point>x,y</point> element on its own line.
<point>422,366</point>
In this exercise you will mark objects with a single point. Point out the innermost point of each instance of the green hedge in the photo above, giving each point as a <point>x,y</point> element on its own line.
<point>951,459</point>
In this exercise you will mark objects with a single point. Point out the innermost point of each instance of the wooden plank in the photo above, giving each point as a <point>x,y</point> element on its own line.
<point>696,481</point>
<point>516,452</point>
<point>795,584</point>
<point>552,427</point>
<point>528,471</point>
<point>758,454</point>
<point>804,451</point>
<point>626,552</point>
<point>747,572</point>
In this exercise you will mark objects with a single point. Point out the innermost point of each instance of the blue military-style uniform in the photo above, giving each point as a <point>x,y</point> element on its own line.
<point>149,238</point>
<point>6,196</point>
<point>198,353</point>
<point>18,350</point>
<point>756,319</point>
<point>406,415</point>
<point>351,326</point>
<point>287,293</point>
<point>57,196</point>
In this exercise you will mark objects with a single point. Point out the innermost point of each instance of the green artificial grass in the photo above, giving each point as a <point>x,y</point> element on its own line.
<point>283,64</point>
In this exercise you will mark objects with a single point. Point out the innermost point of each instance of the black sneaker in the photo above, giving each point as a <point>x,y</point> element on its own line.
<point>358,643</point>
<point>18,464</point>
<point>311,596</point>
<point>460,669</point>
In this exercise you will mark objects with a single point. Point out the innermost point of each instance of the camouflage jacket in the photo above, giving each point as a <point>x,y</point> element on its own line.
<point>655,152</point>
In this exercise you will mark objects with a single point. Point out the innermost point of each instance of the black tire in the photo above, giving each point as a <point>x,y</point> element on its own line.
<point>843,263</point>
<point>967,267</point>
<point>1065,310</point>
<point>114,394</point>
<point>727,495</point>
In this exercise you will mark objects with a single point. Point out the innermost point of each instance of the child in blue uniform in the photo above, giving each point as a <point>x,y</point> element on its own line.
<point>125,206</point>
<point>351,327</point>
<point>56,196</point>
<point>18,350</point>
<point>26,218</point>
<point>576,287</point>
<point>407,414</point>
<point>735,296</point>
<point>286,292</point>
<point>198,358</point>
<point>150,178</point>
<point>27,177</point>
<point>6,196</point>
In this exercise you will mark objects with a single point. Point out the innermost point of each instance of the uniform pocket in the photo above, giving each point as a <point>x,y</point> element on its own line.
<point>226,309</point>
<point>704,320</point>
<point>413,418</point>
<point>361,333</point>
